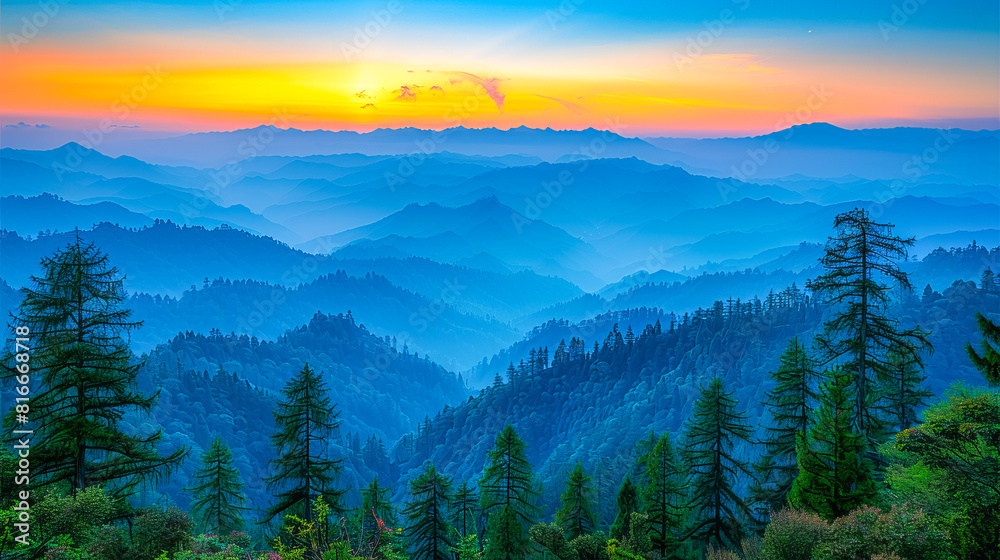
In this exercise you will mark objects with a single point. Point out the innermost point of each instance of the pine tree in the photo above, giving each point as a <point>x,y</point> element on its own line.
<point>427,530</point>
<point>719,514</point>
<point>218,498</point>
<point>860,264</point>
<point>663,496</point>
<point>464,509</point>
<point>376,500</point>
<point>576,516</point>
<point>85,377</point>
<point>903,391</point>
<point>305,418</point>
<point>507,538</point>
<point>507,491</point>
<point>834,475</point>
<point>628,503</point>
<point>791,405</point>
<point>989,362</point>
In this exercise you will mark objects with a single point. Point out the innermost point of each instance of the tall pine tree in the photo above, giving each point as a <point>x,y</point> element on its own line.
<point>861,269</point>
<point>719,514</point>
<point>576,516</point>
<point>305,418</point>
<point>834,474</point>
<point>84,376</point>
<point>376,500</point>
<point>791,405</point>
<point>628,503</point>
<point>507,493</point>
<point>903,392</point>
<point>218,498</point>
<point>465,509</point>
<point>427,529</point>
<point>664,496</point>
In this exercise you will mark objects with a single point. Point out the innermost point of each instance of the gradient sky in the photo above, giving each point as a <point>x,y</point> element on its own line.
<point>706,68</point>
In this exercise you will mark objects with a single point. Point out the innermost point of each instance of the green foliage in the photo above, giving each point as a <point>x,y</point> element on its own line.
<point>664,496</point>
<point>590,547</point>
<point>834,475</point>
<point>792,534</point>
<point>375,507</point>
<point>307,539</point>
<point>86,378</point>
<point>218,499</point>
<point>507,539</point>
<point>468,548</point>
<point>56,514</point>
<point>628,503</point>
<point>791,405</point>
<point>427,530</point>
<point>159,530</point>
<point>553,538</point>
<point>304,420</point>
<point>958,447</point>
<point>576,516</point>
<point>903,391</point>
<point>989,361</point>
<point>719,514</point>
<point>866,532</point>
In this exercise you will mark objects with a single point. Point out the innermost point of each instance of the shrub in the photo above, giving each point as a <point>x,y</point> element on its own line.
<point>868,532</point>
<point>793,534</point>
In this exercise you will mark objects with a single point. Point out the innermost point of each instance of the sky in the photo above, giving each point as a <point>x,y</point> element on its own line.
<point>666,68</point>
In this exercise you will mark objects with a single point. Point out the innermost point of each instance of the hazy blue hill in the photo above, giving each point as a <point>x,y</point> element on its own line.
<point>378,390</point>
<point>428,324</point>
<point>167,259</point>
<point>29,179</point>
<point>27,216</point>
<point>504,295</point>
<point>824,150</point>
<point>638,279</point>
<point>213,149</point>
<point>74,157</point>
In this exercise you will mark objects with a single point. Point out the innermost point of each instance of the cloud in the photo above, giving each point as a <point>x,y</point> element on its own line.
<point>491,85</point>
<point>23,124</point>
<point>573,107</point>
<point>368,106</point>
<point>407,92</point>
<point>362,95</point>
<point>437,88</point>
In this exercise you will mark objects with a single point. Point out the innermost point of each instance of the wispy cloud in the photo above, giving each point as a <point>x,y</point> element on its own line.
<point>573,107</point>
<point>737,63</point>
<point>491,85</point>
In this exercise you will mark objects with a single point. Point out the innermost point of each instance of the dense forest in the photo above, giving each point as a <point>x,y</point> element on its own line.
<point>852,413</point>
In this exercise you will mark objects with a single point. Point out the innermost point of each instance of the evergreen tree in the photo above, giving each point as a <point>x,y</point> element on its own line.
<point>628,503</point>
<point>791,405</point>
<point>305,418</point>
<point>376,500</point>
<point>860,262</point>
<point>85,377</point>
<point>507,538</point>
<point>427,529</point>
<point>719,514</point>
<point>903,390</point>
<point>218,498</point>
<point>576,516</point>
<point>507,491</point>
<point>989,361</point>
<point>834,475</point>
<point>663,496</point>
<point>464,509</point>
